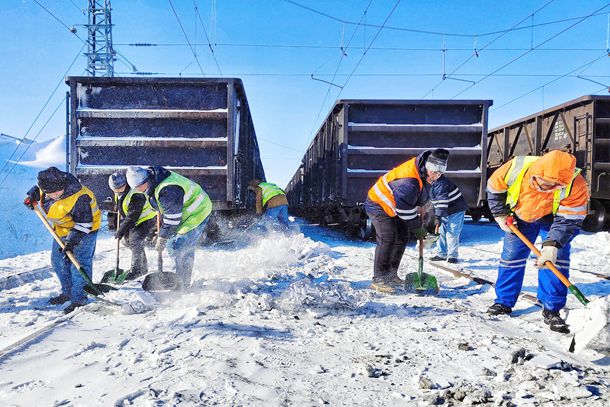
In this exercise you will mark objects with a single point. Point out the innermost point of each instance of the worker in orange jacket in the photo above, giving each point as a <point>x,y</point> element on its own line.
<point>545,193</point>
<point>393,205</point>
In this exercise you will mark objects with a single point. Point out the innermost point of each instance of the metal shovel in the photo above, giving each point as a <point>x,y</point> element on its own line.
<point>116,275</point>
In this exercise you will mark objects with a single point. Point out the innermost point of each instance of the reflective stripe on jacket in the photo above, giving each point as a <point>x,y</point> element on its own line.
<point>196,206</point>
<point>147,212</point>
<point>511,188</point>
<point>381,193</point>
<point>270,190</point>
<point>59,214</point>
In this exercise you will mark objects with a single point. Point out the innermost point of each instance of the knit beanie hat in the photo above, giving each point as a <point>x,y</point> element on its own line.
<point>52,180</point>
<point>117,180</point>
<point>137,176</point>
<point>437,161</point>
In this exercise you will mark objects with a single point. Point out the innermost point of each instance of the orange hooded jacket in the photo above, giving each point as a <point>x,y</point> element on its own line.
<point>533,204</point>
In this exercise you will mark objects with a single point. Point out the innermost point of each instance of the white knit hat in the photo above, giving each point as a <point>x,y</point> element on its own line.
<point>137,176</point>
<point>117,180</point>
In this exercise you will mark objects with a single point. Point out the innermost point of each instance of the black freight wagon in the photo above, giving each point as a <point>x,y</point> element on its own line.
<point>581,127</point>
<point>361,140</point>
<point>200,128</point>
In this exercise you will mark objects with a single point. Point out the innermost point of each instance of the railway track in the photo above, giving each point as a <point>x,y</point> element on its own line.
<point>600,275</point>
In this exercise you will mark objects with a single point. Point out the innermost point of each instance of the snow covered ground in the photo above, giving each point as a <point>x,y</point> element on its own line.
<point>291,321</point>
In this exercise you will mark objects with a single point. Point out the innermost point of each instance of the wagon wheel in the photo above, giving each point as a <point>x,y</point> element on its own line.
<point>596,220</point>
<point>365,231</point>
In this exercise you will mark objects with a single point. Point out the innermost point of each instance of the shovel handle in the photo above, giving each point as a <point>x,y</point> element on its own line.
<point>510,222</point>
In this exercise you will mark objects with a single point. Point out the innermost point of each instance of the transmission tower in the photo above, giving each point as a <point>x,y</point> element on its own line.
<point>100,53</point>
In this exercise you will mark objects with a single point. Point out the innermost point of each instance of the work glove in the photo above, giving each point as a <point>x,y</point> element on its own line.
<point>160,244</point>
<point>33,197</point>
<point>548,253</point>
<point>501,219</point>
<point>68,247</point>
<point>419,233</point>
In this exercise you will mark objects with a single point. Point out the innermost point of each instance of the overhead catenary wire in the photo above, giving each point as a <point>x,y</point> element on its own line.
<point>527,52</point>
<point>186,37</point>
<point>207,38</point>
<point>61,80</point>
<point>436,33</point>
<point>569,74</point>
<point>476,51</point>
<point>331,82</point>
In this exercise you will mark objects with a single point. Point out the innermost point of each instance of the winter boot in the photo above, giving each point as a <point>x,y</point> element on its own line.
<point>70,308</point>
<point>395,281</point>
<point>437,258</point>
<point>60,299</point>
<point>499,309</point>
<point>452,260</point>
<point>555,322</point>
<point>383,286</point>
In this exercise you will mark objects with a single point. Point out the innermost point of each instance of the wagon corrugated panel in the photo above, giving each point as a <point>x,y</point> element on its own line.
<point>580,126</point>
<point>200,128</point>
<point>361,140</point>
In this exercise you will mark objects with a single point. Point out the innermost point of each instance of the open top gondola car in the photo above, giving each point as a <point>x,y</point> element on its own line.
<point>581,127</point>
<point>360,140</point>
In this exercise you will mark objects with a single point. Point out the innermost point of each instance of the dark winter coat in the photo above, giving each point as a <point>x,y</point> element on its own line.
<point>406,193</point>
<point>446,198</point>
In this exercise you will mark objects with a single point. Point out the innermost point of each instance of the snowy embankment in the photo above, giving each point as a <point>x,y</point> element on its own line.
<point>291,321</point>
<point>21,231</point>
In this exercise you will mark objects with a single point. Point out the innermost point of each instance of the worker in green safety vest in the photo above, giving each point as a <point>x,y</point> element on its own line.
<point>136,221</point>
<point>271,199</point>
<point>184,208</point>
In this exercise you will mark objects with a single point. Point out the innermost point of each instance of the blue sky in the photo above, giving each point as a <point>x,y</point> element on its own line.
<point>275,46</point>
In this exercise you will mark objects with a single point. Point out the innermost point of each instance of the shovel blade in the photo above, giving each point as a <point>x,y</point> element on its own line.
<point>99,288</point>
<point>115,276</point>
<point>591,326</point>
<point>421,283</point>
<point>162,281</point>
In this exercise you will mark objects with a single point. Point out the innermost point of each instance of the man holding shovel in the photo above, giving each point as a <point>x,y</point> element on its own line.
<point>76,218</point>
<point>544,193</point>
<point>184,208</point>
<point>392,205</point>
<point>272,199</point>
<point>137,221</point>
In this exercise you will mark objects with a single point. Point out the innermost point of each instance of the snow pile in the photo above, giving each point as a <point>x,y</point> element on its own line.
<point>20,226</point>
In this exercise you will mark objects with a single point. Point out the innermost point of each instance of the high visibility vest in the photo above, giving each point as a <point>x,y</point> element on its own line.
<point>147,211</point>
<point>269,191</point>
<point>382,194</point>
<point>59,214</point>
<point>196,206</point>
<point>514,178</point>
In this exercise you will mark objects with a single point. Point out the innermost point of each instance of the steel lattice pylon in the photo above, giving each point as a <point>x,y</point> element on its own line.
<point>100,53</point>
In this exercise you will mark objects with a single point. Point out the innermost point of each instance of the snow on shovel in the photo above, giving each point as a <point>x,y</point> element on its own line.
<point>589,323</point>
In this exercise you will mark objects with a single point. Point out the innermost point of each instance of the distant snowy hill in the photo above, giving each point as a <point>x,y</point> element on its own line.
<point>21,231</point>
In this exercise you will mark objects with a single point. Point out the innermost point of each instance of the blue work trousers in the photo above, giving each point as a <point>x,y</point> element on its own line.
<point>449,231</point>
<point>551,291</point>
<point>70,279</point>
<point>182,249</point>
<point>277,214</point>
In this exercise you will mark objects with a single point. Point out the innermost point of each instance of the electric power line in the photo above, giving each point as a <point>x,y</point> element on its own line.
<point>61,80</point>
<point>527,52</point>
<point>207,38</point>
<point>186,37</point>
<point>569,74</point>
<point>428,32</point>
<point>476,52</point>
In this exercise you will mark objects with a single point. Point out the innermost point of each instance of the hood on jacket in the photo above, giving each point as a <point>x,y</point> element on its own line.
<point>555,166</point>
<point>420,162</point>
<point>158,174</point>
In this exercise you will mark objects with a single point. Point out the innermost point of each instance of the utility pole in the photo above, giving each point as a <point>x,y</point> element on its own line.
<point>100,53</point>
